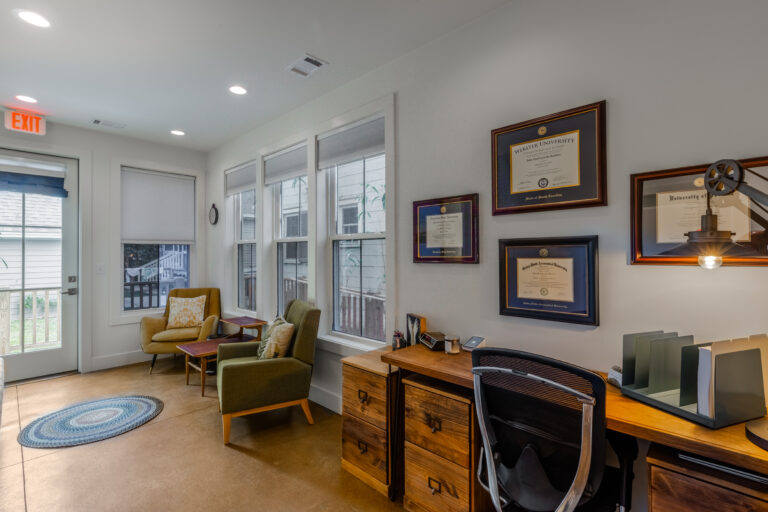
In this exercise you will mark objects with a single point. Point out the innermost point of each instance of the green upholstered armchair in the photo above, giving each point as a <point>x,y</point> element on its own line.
<point>156,338</point>
<point>248,385</point>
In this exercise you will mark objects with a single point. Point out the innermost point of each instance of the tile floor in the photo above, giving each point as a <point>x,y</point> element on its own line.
<point>275,462</point>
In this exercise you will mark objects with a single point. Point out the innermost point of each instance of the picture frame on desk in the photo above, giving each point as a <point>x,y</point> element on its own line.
<point>445,230</point>
<point>668,203</point>
<point>550,279</point>
<point>551,162</point>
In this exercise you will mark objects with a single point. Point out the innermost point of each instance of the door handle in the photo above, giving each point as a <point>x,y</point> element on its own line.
<point>362,446</point>
<point>362,396</point>
<point>436,424</point>
<point>434,485</point>
<point>71,291</point>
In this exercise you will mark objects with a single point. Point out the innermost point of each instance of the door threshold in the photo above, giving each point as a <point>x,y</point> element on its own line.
<point>42,378</point>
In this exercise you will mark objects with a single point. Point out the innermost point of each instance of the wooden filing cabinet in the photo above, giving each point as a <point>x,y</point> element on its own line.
<point>367,430</point>
<point>441,448</point>
<point>676,485</point>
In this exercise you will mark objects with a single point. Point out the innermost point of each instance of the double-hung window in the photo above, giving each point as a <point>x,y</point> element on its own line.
<point>354,160</point>
<point>285,173</point>
<point>240,183</point>
<point>158,231</point>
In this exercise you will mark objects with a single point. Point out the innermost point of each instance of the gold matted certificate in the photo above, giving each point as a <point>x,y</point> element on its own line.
<point>446,230</point>
<point>545,163</point>
<point>678,213</point>
<point>545,278</point>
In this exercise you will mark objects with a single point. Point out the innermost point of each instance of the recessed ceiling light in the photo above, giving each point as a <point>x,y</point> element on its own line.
<point>26,99</point>
<point>177,132</point>
<point>33,19</point>
<point>237,89</point>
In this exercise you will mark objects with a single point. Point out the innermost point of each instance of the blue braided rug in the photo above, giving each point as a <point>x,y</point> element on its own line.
<point>91,421</point>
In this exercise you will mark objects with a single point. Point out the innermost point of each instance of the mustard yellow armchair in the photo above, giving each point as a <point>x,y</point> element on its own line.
<point>156,338</point>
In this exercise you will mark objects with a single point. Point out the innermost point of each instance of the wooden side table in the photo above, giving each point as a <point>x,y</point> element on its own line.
<point>205,350</point>
<point>245,322</point>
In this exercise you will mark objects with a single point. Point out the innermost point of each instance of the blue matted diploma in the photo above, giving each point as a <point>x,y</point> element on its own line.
<point>445,230</point>
<point>549,279</point>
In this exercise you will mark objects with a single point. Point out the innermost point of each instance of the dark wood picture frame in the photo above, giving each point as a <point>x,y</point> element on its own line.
<point>644,218</point>
<point>589,123</point>
<point>467,205</point>
<point>582,251</point>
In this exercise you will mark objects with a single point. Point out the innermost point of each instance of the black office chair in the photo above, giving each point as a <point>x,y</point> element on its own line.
<point>543,427</point>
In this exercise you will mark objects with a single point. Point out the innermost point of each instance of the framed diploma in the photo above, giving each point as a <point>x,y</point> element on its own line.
<point>549,279</point>
<point>445,230</point>
<point>555,161</point>
<point>667,204</point>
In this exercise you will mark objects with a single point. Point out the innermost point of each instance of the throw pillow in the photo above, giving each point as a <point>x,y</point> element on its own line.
<point>279,342</point>
<point>267,334</point>
<point>185,312</point>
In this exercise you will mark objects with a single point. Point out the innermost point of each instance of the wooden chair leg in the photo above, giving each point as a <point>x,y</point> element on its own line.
<point>226,423</point>
<point>154,358</point>
<point>307,413</point>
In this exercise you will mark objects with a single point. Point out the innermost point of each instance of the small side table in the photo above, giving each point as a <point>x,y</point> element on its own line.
<point>245,322</point>
<point>205,350</point>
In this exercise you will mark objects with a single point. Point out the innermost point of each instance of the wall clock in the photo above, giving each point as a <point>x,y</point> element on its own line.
<point>213,215</point>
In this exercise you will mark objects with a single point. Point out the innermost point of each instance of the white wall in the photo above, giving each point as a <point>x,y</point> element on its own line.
<point>105,343</point>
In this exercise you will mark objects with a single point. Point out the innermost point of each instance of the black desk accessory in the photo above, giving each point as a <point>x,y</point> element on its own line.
<point>433,340</point>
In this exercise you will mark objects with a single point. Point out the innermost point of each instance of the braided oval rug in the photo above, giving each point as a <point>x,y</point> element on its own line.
<point>90,421</point>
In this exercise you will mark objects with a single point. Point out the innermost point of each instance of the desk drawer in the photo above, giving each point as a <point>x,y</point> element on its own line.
<point>438,423</point>
<point>365,447</point>
<point>433,484</point>
<point>670,491</point>
<point>364,396</point>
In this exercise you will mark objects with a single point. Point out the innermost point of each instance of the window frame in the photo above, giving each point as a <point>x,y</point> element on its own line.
<point>237,208</point>
<point>333,237</point>
<point>277,232</point>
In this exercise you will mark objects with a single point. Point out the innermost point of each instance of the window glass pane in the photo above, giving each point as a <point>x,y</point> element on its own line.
<point>10,208</point>
<point>150,271</point>
<point>247,224</point>
<point>291,273</point>
<point>246,276</point>
<point>359,291</point>
<point>42,210</point>
<point>375,195</point>
<point>293,207</point>
<point>10,282</point>
<point>361,192</point>
<point>349,195</point>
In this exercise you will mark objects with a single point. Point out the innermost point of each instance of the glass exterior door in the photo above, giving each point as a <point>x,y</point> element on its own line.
<point>38,264</point>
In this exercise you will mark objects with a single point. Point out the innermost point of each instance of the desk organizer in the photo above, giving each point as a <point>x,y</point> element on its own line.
<point>661,370</point>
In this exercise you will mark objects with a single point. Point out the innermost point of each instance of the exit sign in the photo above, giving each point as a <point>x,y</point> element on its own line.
<point>24,122</point>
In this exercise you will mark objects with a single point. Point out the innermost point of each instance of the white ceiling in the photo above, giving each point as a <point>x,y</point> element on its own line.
<point>157,65</point>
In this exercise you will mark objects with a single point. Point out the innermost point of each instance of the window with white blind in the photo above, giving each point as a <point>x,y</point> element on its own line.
<point>157,232</point>
<point>354,160</point>
<point>240,183</point>
<point>285,173</point>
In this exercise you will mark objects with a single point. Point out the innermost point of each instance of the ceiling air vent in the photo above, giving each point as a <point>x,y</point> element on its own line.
<point>107,124</point>
<point>306,65</point>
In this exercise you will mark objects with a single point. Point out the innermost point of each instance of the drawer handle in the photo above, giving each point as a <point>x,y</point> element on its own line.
<point>362,446</point>
<point>434,485</point>
<point>362,396</point>
<point>436,424</point>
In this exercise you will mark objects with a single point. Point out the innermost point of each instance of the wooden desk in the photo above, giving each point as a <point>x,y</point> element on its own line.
<point>729,445</point>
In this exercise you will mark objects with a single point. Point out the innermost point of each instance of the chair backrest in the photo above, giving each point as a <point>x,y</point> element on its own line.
<point>535,415</point>
<point>212,299</point>
<point>306,318</point>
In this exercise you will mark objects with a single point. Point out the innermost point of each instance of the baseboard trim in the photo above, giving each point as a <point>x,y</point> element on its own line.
<point>326,398</point>
<point>115,360</point>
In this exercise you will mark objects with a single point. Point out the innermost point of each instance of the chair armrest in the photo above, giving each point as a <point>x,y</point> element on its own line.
<point>233,350</point>
<point>250,384</point>
<point>208,327</point>
<point>151,325</point>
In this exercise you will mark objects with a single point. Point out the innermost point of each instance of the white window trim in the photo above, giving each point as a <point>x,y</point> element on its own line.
<point>383,107</point>
<point>241,241</point>
<point>117,316</point>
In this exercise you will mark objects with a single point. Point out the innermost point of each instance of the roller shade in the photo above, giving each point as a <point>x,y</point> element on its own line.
<point>350,144</point>
<point>241,178</point>
<point>157,207</point>
<point>32,184</point>
<point>289,163</point>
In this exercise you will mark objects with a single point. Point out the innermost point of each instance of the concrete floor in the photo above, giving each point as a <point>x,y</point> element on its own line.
<point>177,461</point>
